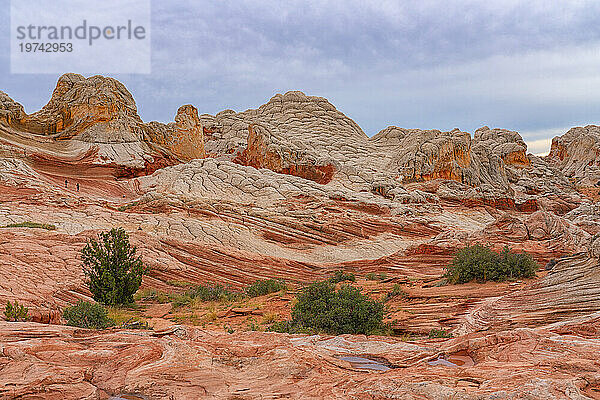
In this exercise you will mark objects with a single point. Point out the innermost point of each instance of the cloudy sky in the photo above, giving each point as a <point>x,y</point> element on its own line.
<point>531,66</point>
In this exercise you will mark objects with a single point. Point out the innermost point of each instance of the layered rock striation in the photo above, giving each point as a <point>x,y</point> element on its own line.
<point>296,190</point>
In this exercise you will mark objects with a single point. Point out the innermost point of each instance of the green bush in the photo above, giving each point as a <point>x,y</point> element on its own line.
<point>321,308</point>
<point>85,314</point>
<point>372,276</point>
<point>289,327</point>
<point>263,287</point>
<point>29,224</point>
<point>397,291</point>
<point>113,271</point>
<point>341,276</point>
<point>16,312</point>
<point>206,293</point>
<point>480,263</point>
<point>439,333</point>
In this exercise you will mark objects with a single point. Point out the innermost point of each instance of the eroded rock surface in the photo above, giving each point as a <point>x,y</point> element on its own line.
<point>295,189</point>
<point>184,362</point>
<point>577,153</point>
<point>184,138</point>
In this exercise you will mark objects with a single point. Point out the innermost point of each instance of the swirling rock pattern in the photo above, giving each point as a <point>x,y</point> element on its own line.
<point>295,189</point>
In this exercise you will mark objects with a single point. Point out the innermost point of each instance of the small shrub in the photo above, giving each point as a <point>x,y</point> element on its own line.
<point>372,276</point>
<point>480,263</point>
<point>211,315</point>
<point>181,284</point>
<point>347,310</point>
<point>16,312</point>
<point>152,295</point>
<point>29,224</point>
<point>205,293</point>
<point>341,276</point>
<point>397,291</point>
<point>270,318</point>
<point>253,325</point>
<point>87,315</point>
<point>289,327</point>
<point>439,333</point>
<point>263,287</point>
<point>212,293</point>
<point>113,271</point>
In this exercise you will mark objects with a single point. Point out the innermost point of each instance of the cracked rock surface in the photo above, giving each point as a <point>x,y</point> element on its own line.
<point>294,189</point>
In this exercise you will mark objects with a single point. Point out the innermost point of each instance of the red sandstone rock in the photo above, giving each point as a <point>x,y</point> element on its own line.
<point>313,194</point>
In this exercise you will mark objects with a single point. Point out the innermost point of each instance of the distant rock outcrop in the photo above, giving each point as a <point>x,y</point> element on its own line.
<point>577,155</point>
<point>11,112</point>
<point>78,104</point>
<point>98,115</point>
<point>184,138</point>
<point>426,155</point>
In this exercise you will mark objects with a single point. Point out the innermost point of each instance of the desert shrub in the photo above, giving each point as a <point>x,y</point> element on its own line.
<point>480,263</point>
<point>341,276</point>
<point>206,293</point>
<point>347,310</point>
<point>212,293</point>
<point>397,291</point>
<point>263,287</point>
<point>270,318</point>
<point>372,276</point>
<point>152,295</point>
<point>113,271</point>
<point>86,314</point>
<point>16,312</point>
<point>29,224</point>
<point>290,327</point>
<point>181,284</point>
<point>439,333</point>
<point>515,265</point>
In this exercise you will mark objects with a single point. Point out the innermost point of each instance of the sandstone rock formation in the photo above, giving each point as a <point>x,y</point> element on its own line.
<point>184,362</point>
<point>96,118</point>
<point>576,154</point>
<point>295,189</point>
<point>570,290</point>
<point>184,138</point>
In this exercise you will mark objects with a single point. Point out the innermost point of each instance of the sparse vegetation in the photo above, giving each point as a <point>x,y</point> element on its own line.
<point>126,318</point>
<point>397,291</point>
<point>263,287</point>
<point>372,276</point>
<point>89,315</point>
<point>16,312</point>
<point>205,293</point>
<point>211,315</point>
<point>29,224</point>
<point>322,308</point>
<point>152,295</point>
<point>341,276</point>
<point>113,271</point>
<point>270,318</point>
<point>129,205</point>
<point>439,333</point>
<point>289,327</point>
<point>480,263</point>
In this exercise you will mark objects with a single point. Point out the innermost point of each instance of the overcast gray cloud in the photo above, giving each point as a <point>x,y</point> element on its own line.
<point>529,66</point>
